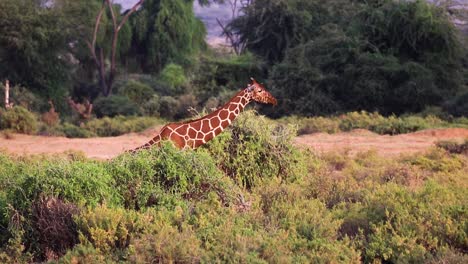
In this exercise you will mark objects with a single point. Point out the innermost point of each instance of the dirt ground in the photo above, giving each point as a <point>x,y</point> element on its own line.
<point>354,141</point>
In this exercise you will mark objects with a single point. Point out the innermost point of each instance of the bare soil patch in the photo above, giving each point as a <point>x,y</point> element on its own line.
<point>354,141</point>
<point>363,140</point>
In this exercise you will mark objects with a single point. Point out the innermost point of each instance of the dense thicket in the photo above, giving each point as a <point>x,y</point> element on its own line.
<point>317,57</point>
<point>247,196</point>
<point>33,48</point>
<point>165,31</point>
<point>333,56</point>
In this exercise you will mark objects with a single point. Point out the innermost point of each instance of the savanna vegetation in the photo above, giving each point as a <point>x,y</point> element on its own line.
<point>87,68</point>
<point>247,196</point>
<point>69,62</point>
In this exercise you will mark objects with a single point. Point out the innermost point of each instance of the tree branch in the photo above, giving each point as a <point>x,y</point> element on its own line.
<point>132,10</point>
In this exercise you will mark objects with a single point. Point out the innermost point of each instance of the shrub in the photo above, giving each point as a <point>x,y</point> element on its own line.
<point>54,229</point>
<point>186,103</point>
<point>109,127</point>
<point>169,244</point>
<point>174,76</point>
<point>318,124</point>
<point>161,176</point>
<point>375,122</point>
<point>72,131</point>
<point>254,148</point>
<point>407,227</point>
<point>137,92</point>
<point>152,106</point>
<point>78,182</point>
<point>84,253</point>
<point>168,107</point>
<point>437,160</point>
<point>458,106</point>
<point>51,118</point>
<point>114,105</point>
<point>454,147</point>
<point>18,119</point>
<point>22,96</point>
<point>108,229</point>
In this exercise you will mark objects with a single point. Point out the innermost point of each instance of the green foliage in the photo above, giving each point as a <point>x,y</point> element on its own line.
<point>458,106</point>
<point>108,229</point>
<point>168,107</point>
<point>336,56</point>
<point>219,74</point>
<point>158,176</point>
<point>165,31</point>
<point>114,105</point>
<point>152,106</point>
<point>33,46</point>
<point>254,149</point>
<point>109,127</point>
<point>374,122</point>
<point>76,182</point>
<point>173,75</point>
<point>137,92</point>
<point>22,96</point>
<point>19,119</point>
<point>72,131</point>
<point>166,204</point>
<point>84,254</point>
<point>406,226</point>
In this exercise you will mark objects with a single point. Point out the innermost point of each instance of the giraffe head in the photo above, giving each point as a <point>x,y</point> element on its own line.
<point>260,94</point>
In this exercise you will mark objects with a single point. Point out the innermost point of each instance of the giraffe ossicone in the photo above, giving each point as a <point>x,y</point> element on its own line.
<point>194,133</point>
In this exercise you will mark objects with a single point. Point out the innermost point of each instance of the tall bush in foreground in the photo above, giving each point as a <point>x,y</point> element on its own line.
<point>254,148</point>
<point>162,176</point>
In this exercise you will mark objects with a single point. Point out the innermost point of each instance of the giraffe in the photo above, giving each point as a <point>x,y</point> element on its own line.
<point>194,133</point>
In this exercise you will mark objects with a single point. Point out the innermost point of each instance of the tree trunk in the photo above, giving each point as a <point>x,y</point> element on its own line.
<point>107,74</point>
<point>7,94</point>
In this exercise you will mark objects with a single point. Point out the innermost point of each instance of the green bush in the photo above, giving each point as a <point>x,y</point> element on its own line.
<point>152,106</point>
<point>22,96</point>
<point>137,92</point>
<point>84,253</point>
<point>374,122</point>
<point>118,125</point>
<point>173,75</point>
<point>109,229</point>
<point>72,131</point>
<point>458,106</point>
<point>18,119</point>
<point>254,148</point>
<point>79,182</point>
<point>114,105</point>
<point>407,226</point>
<point>166,204</point>
<point>168,107</point>
<point>161,176</point>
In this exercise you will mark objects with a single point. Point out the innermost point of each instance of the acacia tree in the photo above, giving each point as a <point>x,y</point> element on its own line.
<point>165,31</point>
<point>107,73</point>
<point>33,49</point>
<point>234,39</point>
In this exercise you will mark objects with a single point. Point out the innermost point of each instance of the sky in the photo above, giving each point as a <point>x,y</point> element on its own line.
<point>207,14</point>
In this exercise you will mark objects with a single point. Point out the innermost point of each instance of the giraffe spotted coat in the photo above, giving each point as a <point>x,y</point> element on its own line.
<point>194,133</point>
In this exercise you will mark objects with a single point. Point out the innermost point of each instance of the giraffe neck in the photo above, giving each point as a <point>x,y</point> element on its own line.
<point>229,111</point>
<point>198,132</point>
<point>194,133</point>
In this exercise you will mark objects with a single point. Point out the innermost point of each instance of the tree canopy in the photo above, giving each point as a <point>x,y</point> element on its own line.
<point>340,55</point>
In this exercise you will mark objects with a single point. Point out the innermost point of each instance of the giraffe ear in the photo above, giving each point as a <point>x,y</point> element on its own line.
<point>253,81</point>
<point>250,87</point>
